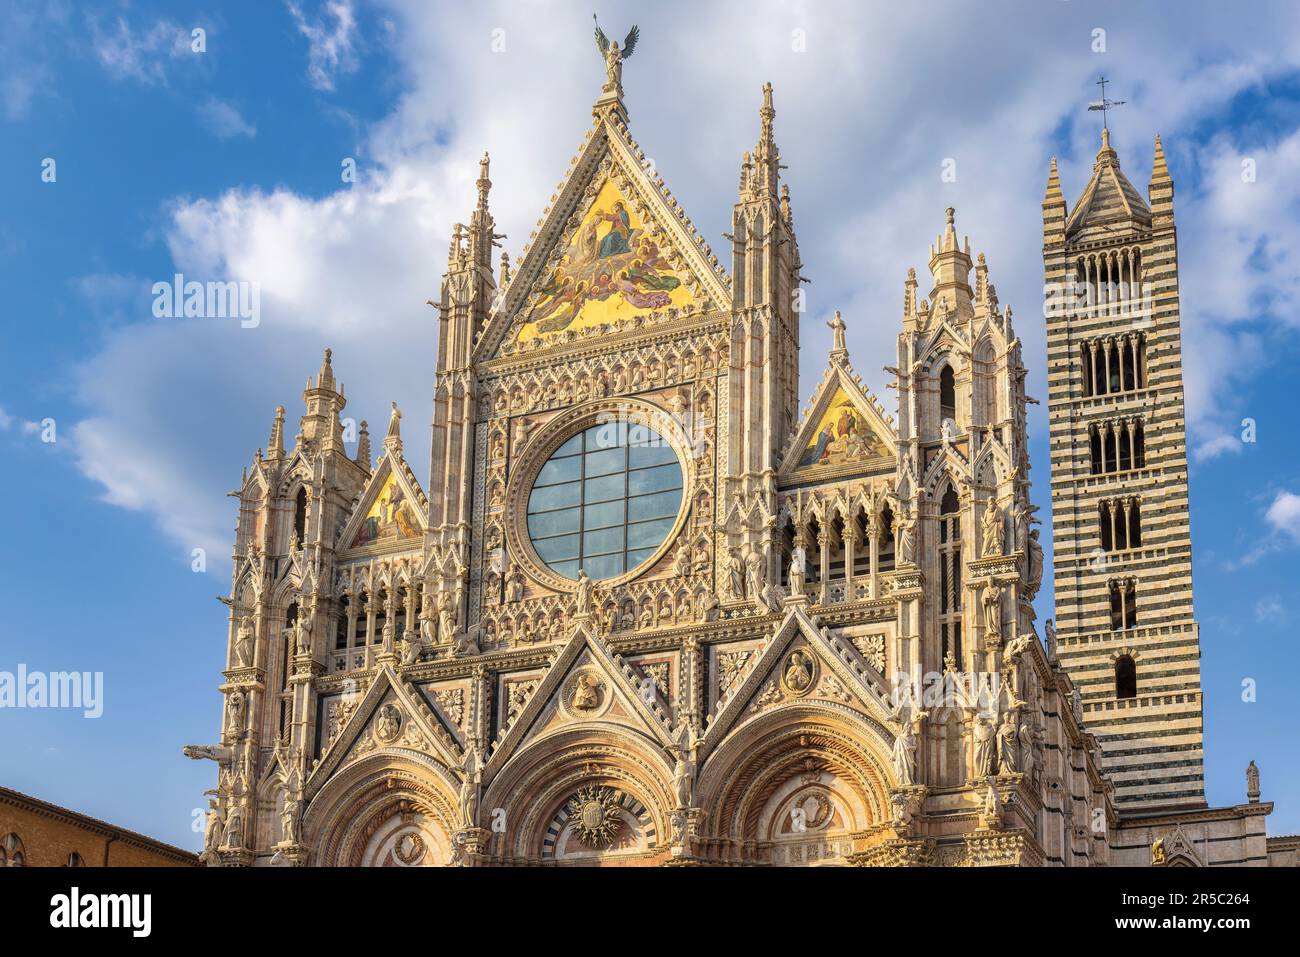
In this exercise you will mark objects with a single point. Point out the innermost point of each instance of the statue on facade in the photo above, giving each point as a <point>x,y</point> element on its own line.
<point>798,573</point>
<point>735,580</point>
<point>235,713</point>
<point>1034,569</point>
<point>1252,782</point>
<point>992,601</point>
<point>905,537</point>
<point>290,818</point>
<point>985,757</point>
<point>1008,744</point>
<point>469,784</point>
<point>1049,631</point>
<point>754,575</point>
<point>244,643</point>
<point>614,55</point>
<point>905,742</point>
<point>684,764</point>
<point>992,530</point>
<point>583,594</point>
<point>235,828</point>
<point>212,831</point>
<point>991,812</point>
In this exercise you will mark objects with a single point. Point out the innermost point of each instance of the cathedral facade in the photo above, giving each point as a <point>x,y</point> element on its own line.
<point>645,610</point>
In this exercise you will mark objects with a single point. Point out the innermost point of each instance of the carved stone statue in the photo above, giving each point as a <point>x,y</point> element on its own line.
<point>469,784</point>
<point>1252,782</point>
<point>1049,631</point>
<point>992,530</point>
<point>235,713</point>
<point>985,758</point>
<point>905,743</point>
<point>735,577</point>
<point>992,601</point>
<point>1008,744</point>
<point>614,56</point>
<point>1034,570</point>
<point>446,617</point>
<point>991,813</point>
<point>905,537</point>
<point>754,575</point>
<point>515,586</point>
<point>798,576</point>
<point>235,828</point>
<point>244,643</point>
<point>290,817</point>
<point>212,831</point>
<point>583,593</point>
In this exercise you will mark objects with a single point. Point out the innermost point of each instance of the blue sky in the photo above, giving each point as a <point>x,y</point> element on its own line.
<point>226,164</point>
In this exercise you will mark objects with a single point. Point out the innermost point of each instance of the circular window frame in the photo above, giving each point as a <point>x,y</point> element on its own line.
<point>537,453</point>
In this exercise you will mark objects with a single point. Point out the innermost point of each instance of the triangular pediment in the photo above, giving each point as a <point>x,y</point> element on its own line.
<point>391,715</point>
<point>801,663</point>
<point>843,430</point>
<point>613,252</point>
<point>391,511</point>
<point>586,683</point>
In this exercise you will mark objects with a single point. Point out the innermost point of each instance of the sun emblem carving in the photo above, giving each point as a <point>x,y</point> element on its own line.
<point>595,815</point>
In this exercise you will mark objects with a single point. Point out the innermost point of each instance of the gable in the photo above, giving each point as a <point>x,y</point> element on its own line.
<point>389,517</point>
<point>610,267</point>
<point>842,431</point>
<point>841,436</point>
<point>390,511</point>
<point>613,251</point>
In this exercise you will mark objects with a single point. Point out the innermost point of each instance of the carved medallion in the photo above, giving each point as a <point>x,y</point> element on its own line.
<point>388,723</point>
<point>586,695</point>
<point>798,673</point>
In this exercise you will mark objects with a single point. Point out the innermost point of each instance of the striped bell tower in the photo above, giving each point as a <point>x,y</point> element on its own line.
<point>1123,552</point>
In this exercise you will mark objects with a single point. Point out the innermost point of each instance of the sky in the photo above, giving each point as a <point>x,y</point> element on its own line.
<point>133,148</point>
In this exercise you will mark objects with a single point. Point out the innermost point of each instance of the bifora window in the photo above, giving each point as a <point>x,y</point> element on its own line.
<point>605,500</point>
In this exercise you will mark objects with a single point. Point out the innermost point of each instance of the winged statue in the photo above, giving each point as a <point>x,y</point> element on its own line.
<point>615,55</point>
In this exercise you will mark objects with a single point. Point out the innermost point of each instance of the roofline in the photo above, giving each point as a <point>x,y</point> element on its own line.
<point>103,828</point>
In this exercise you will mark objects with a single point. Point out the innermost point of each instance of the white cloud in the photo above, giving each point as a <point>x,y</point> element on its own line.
<point>353,268</point>
<point>224,120</point>
<point>128,53</point>
<point>1268,608</point>
<point>1284,514</point>
<point>331,50</point>
<point>1216,446</point>
<point>6,420</point>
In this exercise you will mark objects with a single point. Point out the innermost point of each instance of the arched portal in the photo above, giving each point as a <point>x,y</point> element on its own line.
<point>390,809</point>
<point>800,784</point>
<point>596,794</point>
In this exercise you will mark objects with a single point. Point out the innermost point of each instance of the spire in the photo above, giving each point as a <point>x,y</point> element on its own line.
<point>276,443</point>
<point>325,378</point>
<point>1054,195</point>
<point>393,440</point>
<point>505,271</point>
<point>767,158</point>
<point>483,183</point>
<point>1106,155</point>
<point>839,350</point>
<point>950,265</point>
<point>909,294</point>
<point>1160,191</point>
<point>363,447</point>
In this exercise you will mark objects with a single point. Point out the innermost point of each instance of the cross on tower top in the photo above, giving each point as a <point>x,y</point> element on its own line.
<point>1104,104</point>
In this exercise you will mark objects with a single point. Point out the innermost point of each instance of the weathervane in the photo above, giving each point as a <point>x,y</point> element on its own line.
<point>1104,104</point>
<point>614,56</point>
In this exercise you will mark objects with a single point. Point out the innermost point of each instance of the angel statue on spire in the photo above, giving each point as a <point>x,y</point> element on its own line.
<point>614,55</point>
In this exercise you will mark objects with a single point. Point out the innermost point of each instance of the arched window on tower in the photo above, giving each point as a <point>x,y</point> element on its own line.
<point>950,592</point>
<point>1126,677</point>
<point>947,395</point>
<point>300,514</point>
